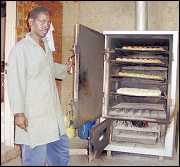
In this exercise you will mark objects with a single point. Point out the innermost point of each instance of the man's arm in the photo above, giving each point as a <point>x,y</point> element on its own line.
<point>16,75</point>
<point>60,70</point>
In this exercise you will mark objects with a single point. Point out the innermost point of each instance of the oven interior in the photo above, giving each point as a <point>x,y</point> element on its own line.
<point>136,106</point>
<point>139,118</point>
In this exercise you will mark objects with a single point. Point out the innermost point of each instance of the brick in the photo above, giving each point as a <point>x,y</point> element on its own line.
<point>52,13</point>
<point>58,3</point>
<point>54,8</point>
<point>58,17</point>
<point>48,5</point>
<point>26,25</point>
<point>53,2</point>
<point>58,49</point>
<point>21,23</point>
<point>60,10</point>
<point>59,61</point>
<point>58,30</point>
<point>56,36</point>
<point>25,16</point>
<point>19,30</point>
<point>25,31</point>
<point>29,3</point>
<point>33,3</point>
<point>25,8</point>
<point>60,43</point>
<point>20,9</point>
<point>36,5</point>
<point>54,22</point>
<point>42,3</point>
<point>18,39</point>
<point>56,60</point>
<point>29,8</point>
<point>56,42</point>
<point>56,56</point>
<point>60,7</point>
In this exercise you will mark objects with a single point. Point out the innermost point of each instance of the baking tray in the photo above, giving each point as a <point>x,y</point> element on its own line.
<point>142,50</point>
<point>124,76</point>
<point>135,62</point>
<point>113,93</point>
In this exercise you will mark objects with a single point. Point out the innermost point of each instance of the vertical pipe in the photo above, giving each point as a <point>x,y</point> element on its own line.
<point>141,15</point>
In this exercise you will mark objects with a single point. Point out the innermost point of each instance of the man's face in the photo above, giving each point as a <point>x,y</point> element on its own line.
<point>41,24</point>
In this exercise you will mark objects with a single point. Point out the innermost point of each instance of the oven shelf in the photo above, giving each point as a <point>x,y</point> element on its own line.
<point>118,94</point>
<point>135,114</point>
<point>156,79</point>
<point>139,50</point>
<point>139,106</point>
<point>138,110</point>
<point>115,62</point>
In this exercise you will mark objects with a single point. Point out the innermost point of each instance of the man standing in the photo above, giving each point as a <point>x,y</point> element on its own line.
<point>34,100</point>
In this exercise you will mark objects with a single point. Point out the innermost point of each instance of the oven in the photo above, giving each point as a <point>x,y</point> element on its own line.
<point>127,79</point>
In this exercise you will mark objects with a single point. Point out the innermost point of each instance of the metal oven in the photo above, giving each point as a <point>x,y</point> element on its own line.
<point>128,80</point>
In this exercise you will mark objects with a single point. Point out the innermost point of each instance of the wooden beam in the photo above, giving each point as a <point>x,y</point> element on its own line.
<point>10,41</point>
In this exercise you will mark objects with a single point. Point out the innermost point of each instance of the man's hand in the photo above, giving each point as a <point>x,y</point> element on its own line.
<point>21,121</point>
<point>70,65</point>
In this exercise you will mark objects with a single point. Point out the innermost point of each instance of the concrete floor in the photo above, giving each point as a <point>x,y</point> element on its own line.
<point>117,158</point>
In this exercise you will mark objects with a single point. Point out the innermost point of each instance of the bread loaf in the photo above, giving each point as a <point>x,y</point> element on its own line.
<point>140,75</point>
<point>139,92</point>
<point>143,48</point>
<point>139,60</point>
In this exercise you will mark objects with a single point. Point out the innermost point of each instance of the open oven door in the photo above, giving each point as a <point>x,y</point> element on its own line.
<point>88,75</point>
<point>99,137</point>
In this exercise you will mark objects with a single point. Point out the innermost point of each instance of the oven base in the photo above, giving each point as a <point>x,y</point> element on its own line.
<point>165,150</point>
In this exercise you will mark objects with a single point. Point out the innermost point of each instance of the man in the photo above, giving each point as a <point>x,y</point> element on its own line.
<point>34,100</point>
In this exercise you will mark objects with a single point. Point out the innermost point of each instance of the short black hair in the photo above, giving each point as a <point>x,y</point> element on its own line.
<point>34,13</point>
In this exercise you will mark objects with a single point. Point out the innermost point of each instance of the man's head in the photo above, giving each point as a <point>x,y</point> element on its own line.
<point>34,13</point>
<point>40,20</point>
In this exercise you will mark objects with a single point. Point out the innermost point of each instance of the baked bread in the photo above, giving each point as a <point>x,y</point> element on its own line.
<point>139,92</point>
<point>140,75</point>
<point>139,60</point>
<point>143,48</point>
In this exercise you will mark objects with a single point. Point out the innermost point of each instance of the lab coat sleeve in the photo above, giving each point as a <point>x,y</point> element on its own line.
<point>16,73</point>
<point>60,71</point>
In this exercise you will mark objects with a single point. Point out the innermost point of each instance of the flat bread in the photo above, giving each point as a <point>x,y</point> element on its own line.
<point>140,75</point>
<point>139,92</point>
<point>138,60</point>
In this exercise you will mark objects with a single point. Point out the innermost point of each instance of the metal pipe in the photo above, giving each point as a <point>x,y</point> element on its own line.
<point>141,15</point>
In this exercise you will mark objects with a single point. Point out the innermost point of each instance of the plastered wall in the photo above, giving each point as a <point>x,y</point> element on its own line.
<point>111,15</point>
